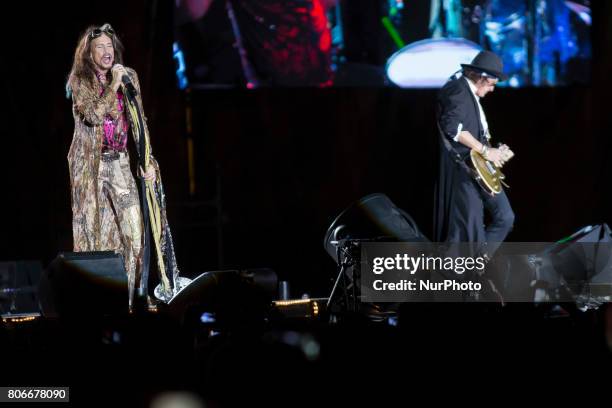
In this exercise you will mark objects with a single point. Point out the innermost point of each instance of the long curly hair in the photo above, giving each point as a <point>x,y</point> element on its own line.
<point>83,66</point>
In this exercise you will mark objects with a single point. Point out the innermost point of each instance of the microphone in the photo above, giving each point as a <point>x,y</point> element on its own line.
<point>127,82</point>
<point>129,87</point>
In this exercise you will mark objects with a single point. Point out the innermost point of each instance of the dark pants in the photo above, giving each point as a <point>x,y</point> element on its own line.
<point>461,206</point>
<point>502,219</point>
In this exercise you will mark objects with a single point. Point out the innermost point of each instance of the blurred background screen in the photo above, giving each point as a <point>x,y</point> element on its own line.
<point>405,43</point>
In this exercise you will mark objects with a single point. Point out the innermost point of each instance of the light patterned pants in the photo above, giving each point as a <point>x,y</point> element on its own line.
<point>121,220</point>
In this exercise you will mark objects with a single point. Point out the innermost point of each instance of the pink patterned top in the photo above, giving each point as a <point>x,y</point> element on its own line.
<point>116,130</point>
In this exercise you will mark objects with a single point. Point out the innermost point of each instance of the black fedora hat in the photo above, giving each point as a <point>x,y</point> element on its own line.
<point>489,63</point>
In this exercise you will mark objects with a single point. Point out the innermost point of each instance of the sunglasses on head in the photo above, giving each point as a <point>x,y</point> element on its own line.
<point>105,29</point>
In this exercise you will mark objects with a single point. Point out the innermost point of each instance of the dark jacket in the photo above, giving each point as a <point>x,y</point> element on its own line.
<point>457,105</point>
<point>458,206</point>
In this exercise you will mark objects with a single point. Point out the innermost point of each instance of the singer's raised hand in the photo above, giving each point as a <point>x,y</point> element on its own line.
<point>118,72</point>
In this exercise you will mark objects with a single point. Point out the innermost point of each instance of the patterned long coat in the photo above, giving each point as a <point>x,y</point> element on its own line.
<point>89,110</point>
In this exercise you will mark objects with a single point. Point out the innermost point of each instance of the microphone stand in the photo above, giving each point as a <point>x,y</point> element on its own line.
<point>130,93</point>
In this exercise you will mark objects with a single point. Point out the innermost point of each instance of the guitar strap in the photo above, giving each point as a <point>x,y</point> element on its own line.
<point>453,152</point>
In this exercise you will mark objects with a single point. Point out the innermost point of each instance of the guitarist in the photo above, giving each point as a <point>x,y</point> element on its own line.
<point>460,203</point>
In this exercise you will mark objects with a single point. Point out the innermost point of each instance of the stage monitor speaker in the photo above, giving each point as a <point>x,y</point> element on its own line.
<point>19,287</point>
<point>233,295</point>
<point>84,284</point>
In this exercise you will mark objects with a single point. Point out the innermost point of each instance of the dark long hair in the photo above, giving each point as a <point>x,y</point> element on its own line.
<point>83,67</point>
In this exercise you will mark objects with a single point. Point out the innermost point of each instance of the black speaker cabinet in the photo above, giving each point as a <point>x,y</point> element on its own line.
<point>84,284</point>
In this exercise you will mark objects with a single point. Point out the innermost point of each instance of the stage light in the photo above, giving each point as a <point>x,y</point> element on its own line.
<point>19,319</point>
<point>298,308</point>
<point>372,218</point>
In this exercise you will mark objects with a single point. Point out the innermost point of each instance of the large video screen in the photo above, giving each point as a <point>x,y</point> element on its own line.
<point>405,43</point>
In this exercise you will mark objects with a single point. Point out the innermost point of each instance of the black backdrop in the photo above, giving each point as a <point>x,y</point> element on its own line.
<point>288,160</point>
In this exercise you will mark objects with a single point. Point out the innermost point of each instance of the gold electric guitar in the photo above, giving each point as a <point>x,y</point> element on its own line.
<point>487,174</point>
